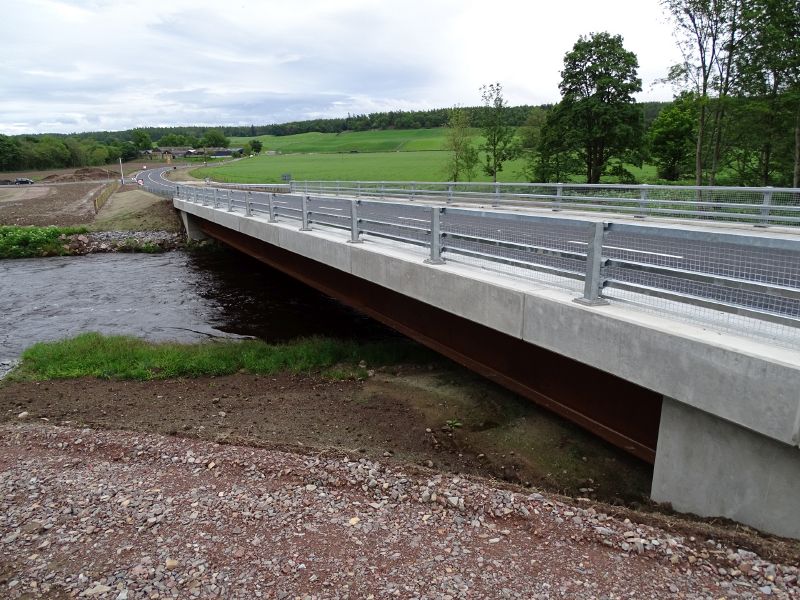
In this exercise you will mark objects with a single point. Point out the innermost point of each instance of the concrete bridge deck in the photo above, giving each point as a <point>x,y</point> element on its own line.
<point>725,409</point>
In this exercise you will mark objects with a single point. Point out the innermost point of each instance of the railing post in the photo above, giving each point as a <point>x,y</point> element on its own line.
<point>766,205</point>
<point>559,195</point>
<point>496,194</point>
<point>248,198</point>
<point>337,187</point>
<point>642,202</point>
<point>354,231</point>
<point>436,237</point>
<point>216,199</point>
<point>358,189</point>
<point>449,193</point>
<point>383,189</point>
<point>178,191</point>
<point>271,207</point>
<point>230,201</point>
<point>304,213</point>
<point>593,281</point>
<point>413,190</point>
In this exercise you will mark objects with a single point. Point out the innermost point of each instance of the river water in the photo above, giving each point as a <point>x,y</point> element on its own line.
<point>172,296</point>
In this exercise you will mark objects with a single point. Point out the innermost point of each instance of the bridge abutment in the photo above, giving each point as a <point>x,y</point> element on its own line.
<point>712,467</point>
<point>191,226</point>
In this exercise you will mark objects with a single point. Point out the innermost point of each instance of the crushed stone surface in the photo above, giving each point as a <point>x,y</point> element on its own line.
<point>120,515</point>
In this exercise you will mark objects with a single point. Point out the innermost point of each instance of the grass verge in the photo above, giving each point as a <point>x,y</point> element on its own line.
<point>27,242</point>
<point>125,357</point>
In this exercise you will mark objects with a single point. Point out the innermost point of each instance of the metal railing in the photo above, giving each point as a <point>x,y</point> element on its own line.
<point>755,276</point>
<point>760,206</point>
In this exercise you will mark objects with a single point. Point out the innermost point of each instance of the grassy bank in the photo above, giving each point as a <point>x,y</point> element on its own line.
<point>27,242</point>
<point>124,357</point>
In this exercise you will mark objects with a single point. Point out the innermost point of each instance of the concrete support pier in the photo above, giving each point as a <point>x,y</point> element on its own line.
<point>190,224</point>
<point>712,467</point>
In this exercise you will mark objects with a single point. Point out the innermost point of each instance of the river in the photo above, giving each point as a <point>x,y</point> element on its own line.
<point>172,296</point>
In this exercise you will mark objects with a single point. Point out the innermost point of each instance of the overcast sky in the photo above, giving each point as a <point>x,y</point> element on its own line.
<point>71,66</point>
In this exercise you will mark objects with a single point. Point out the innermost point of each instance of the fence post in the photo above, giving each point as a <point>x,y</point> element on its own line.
<point>642,202</point>
<point>559,194</point>
<point>271,207</point>
<point>248,198</point>
<point>230,201</point>
<point>304,213</point>
<point>354,231</point>
<point>766,205</point>
<point>593,281</point>
<point>436,237</point>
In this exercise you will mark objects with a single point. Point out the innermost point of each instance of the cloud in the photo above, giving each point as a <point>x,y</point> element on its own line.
<point>70,65</point>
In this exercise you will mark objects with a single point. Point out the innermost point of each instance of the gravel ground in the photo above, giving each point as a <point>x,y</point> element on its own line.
<point>109,514</point>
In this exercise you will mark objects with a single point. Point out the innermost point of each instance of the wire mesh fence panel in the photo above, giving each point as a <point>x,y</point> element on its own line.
<point>759,279</point>
<point>401,222</point>
<point>540,249</point>
<point>331,211</point>
<point>288,206</point>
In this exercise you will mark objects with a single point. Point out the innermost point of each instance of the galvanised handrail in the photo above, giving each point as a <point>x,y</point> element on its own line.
<point>760,206</point>
<point>756,276</point>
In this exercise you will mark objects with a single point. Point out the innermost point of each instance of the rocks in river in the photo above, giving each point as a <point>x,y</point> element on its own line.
<point>122,241</point>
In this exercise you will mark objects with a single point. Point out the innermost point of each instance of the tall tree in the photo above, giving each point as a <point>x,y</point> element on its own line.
<point>769,67</point>
<point>597,111</point>
<point>500,145</point>
<point>141,139</point>
<point>671,138</point>
<point>463,157</point>
<point>214,138</point>
<point>701,31</point>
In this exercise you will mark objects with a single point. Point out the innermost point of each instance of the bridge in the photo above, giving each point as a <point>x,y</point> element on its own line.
<point>678,341</point>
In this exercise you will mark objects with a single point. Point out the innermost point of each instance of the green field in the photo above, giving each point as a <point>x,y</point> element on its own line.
<point>390,155</point>
<point>377,166</point>
<point>391,140</point>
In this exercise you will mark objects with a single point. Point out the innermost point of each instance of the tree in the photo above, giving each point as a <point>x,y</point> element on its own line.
<point>671,138</point>
<point>702,33</point>
<point>597,112</point>
<point>768,65</point>
<point>256,145</point>
<point>214,138</point>
<point>10,153</point>
<point>141,139</point>
<point>500,145</point>
<point>463,158</point>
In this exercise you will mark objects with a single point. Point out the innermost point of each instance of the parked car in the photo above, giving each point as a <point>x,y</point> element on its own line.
<point>23,181</point>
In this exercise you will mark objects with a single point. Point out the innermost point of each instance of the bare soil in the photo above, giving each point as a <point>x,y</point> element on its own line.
<point>136,210</point>
<point>61,205</point>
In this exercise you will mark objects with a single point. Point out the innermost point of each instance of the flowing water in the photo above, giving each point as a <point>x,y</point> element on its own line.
<point>172,296</point>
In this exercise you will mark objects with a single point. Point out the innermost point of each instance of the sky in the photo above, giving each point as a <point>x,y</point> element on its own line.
<point>88,65</point>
